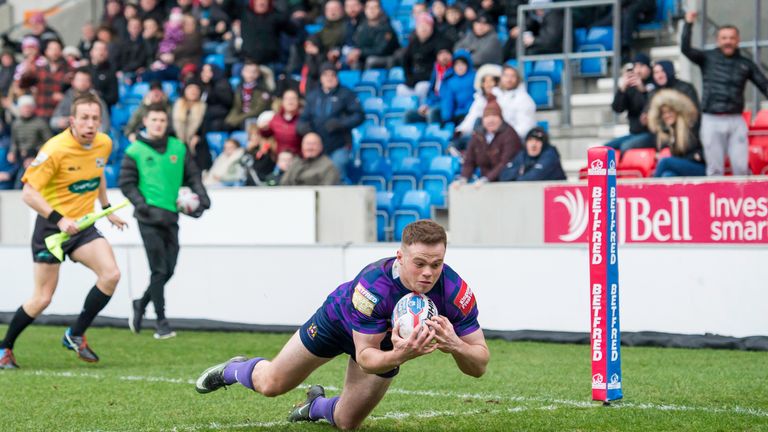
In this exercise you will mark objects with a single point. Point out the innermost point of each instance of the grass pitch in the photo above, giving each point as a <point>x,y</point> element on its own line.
<point>146,385</point>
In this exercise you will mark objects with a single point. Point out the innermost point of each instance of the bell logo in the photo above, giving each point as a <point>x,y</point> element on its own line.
<point>577,209</point>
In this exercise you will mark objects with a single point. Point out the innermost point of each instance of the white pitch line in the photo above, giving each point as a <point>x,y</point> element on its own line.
<point>432,393</point>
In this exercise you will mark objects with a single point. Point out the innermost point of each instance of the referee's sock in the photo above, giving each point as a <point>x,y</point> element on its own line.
<point>323,408</point>
<point>19,322</point>
<point>94,303</point>
<point>241,372</point>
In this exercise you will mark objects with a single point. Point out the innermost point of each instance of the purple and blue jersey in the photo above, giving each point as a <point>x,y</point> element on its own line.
<point>365,304</point>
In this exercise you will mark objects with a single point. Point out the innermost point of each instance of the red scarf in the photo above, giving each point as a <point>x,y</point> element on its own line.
<point>440,70</point>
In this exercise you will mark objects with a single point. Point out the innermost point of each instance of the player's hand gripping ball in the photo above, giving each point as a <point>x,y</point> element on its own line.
<point>411,311</point>
<point>187,201</point>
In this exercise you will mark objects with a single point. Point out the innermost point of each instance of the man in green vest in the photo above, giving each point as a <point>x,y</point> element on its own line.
<point>155,166</point>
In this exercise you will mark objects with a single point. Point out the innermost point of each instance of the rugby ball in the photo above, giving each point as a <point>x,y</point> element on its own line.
<point>187,201</point>
<point>411,311</point>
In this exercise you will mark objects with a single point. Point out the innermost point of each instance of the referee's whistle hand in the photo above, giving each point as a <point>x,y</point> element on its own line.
<point>68,226</point>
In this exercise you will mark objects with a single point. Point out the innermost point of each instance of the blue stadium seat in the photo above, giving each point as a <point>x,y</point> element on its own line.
<point>241,137</point>
<point>112,174</point>
<point>395,77</point>
<point>216,60</point>
<point>433,143</point>
<point>135,94</point>
<point>119,115</point>
<point>372,144</point>
<point>371,81</point>
<point>171,89</point>
<point>237,68</point>
<point>376,173</point>
<point>313,28</point>
<point>402,142</point>
<point>414,206</point>
<point>602,36</point>
<point>374,110</point>
<point>390,6</point>
<point>553,69</point>
<point>235,81</point>
<point>349,78</point>
<point>665,9</point>
<point>540,89</point>
<point>216,140</point>
<point>593,67</point>
<point>442,171</point>
<point>399,105</point>
<point>406,175</point>
<point>544,124</point>
<point>385,208</point>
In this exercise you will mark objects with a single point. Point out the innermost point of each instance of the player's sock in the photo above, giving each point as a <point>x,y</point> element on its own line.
<point>241,372</point>
<point>19,322</point>
<point>94,303</point>
<point>323,408</point>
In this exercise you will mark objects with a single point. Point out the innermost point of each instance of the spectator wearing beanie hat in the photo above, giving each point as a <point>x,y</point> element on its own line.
<point>490,149</point>
<point>538,161</point>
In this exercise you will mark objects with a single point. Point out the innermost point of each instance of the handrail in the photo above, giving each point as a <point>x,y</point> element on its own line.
<point>567,55</point>
<point>45,11</point>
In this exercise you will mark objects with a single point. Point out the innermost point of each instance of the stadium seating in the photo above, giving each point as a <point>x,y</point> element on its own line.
<point>406,175</point>
<point>433,142</point>
<point>349,78</point>
<point>371,81</point>
<point>665,10</point>
<point>312,28</point>
<point>414,206</point>
<point>119,115</point>
<point>761,120</point>
<point>542,92</point>
<point>758,160</point>
<point>373,143</point>
<point>637,163</point>
<point>234,82</point>
<point>602,36</point>
<point>442,170</point>
<point>171,90</point>
<point>548,68</point>
<point>593,67</point>
<point>374,111</point>
<point>216,60</point>
<point>241,137</point>
<point>395,77</point>
<point>398,106</point>
<point>215,141</point>
<point>402,142</point>
<point>385,208</point>
<point>376,173</point>
<point>112,174</point>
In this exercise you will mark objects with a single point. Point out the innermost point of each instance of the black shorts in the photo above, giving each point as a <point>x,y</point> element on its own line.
<point>43,228</point>
<point>325,339</point>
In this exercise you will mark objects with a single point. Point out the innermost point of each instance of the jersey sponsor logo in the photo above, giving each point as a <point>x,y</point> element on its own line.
<point>41,157</point>
<point>465,299</point>
<point>363,300</point>
<point>100,162</point>
<point>85,186</point>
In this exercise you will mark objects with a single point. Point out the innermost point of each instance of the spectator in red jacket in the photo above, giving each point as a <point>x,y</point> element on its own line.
<point>283,125</point>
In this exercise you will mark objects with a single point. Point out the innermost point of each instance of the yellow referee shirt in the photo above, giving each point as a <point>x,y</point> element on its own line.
<point>68,174</point>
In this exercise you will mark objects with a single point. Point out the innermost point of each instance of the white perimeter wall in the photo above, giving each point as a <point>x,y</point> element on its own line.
<point>669,289</point>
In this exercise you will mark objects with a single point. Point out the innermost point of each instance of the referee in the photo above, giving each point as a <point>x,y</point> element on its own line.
<point>155,166</point>
<point>62,185</point>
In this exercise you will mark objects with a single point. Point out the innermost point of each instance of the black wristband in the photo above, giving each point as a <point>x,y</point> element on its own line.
<point>54,217</point>
<point>106,206</point>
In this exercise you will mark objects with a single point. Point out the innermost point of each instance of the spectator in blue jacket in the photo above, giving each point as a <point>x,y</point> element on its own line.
<point>457,91</point>
<point>332,112</point>
<point>429,111</point>
<point>538,161</point>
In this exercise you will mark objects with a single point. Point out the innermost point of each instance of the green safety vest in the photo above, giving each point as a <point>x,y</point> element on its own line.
<point>160,174</point>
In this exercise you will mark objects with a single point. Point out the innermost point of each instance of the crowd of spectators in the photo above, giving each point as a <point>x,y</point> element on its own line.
<point>280,84</point>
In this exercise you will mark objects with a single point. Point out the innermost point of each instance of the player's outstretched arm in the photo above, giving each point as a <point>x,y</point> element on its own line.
<point>469,351</point>
<point>373,360</point>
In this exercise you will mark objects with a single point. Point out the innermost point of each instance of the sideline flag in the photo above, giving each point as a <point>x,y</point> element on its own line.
<point>605,334</point>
